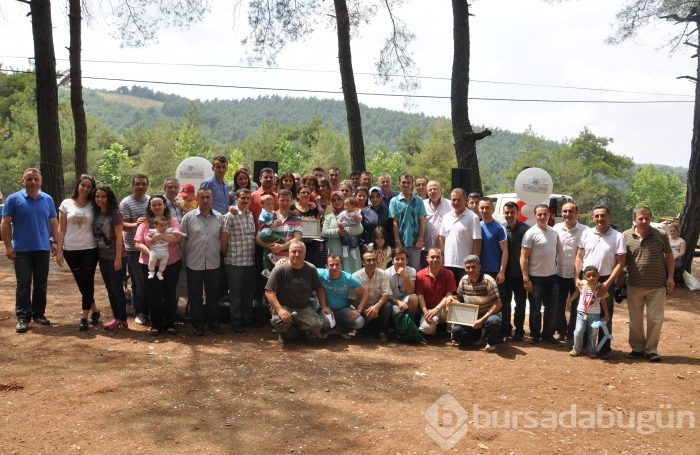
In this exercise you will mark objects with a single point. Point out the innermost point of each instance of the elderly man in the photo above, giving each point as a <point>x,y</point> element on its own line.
<point>380,298</point>
<point>289,290</point>
<point>238,243</point>
<point>408,219</point>
<point>569,232</point>
<point>387,191</point>
<point>650,267</point>
<point>202,249</point>
<point>605,248</point>
<point>538,263</point>
<point>337,285</point>
<point>477,288</point>
<point>435,286</point>
<point>29,221</point>
<point>133,211</point>
<point>460,234</point>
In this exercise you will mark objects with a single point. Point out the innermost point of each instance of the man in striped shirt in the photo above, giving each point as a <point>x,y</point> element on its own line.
<point>650,268</point>
<point>477,288</point>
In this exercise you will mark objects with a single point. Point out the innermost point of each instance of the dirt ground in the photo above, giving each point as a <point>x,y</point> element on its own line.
<point>65,391</point>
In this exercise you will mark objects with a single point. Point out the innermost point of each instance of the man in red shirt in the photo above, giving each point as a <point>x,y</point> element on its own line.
<point>267,181</point>
<point>434,285</point>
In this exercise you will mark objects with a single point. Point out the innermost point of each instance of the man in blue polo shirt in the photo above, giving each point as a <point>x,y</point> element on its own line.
<point>29,221</point>
<point>337,285</point>
<point>408,214</point>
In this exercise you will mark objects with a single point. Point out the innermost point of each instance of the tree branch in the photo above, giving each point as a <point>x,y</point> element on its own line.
<point>478,136</point>
<point>691,17</point>
<point>694,79</point>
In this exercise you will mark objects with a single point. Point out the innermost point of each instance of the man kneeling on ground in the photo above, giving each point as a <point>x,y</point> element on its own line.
<point>289,289</point>
<point>476,288</point>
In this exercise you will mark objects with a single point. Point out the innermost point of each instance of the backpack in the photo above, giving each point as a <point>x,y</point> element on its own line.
<point>407,330</point>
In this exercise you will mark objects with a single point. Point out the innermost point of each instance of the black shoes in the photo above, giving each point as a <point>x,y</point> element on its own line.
<point>199,331</point>
<point>42,320</point>
<point>634,355</point>
<point>22,326</point>
<point>95,318</point>
<point>83,325</point>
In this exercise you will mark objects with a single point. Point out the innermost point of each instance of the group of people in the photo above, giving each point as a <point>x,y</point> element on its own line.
<point>378,253</point>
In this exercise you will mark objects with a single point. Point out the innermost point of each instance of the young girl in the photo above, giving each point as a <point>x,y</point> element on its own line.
<point>381,249</point>
<point>589,305</point>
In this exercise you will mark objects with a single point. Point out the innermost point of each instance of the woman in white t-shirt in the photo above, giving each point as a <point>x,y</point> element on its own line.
<point>76,243</point>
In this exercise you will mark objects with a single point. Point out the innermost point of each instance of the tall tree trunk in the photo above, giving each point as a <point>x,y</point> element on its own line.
<point>76,89</point>
<point>347,76</point>
<point>690,216</point>
<point>47,100</point>
<point>464,136</point>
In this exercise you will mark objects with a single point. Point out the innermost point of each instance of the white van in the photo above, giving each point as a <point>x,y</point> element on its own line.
<point>555,203</point>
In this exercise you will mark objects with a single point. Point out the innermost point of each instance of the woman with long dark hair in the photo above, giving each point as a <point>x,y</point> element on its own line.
<point>108,228</point>
<point>76,243</point>
<point>287,183</point>
<point>162,293</point>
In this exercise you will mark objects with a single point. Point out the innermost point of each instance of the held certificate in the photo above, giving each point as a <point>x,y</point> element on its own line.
<point>463,314</point>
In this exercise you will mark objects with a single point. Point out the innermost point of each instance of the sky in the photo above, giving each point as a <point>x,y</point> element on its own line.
<point>520,49</point>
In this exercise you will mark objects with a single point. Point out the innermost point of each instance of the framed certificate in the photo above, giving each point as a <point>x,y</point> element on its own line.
<point>463,314</point>
<point>311,227</point>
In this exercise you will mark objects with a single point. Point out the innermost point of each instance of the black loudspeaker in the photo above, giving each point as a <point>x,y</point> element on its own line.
<point>461,178</point>
<point>260,165</point>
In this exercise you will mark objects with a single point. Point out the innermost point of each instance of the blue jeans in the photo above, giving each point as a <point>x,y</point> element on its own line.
<point>465,334</point>
<point>82,265</point>
<point>544,293</point>
<point>114,284</point>
<point>199,284</point>
<point>31,266</point>
<point>241,284</point>
<point>342,320</point>
<point>581,326</point>
<point>139,295</point>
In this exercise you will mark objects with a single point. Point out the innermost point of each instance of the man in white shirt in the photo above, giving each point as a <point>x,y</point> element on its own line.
<point>604,247</point>
<point>460,234</point>
<point>538,262</point>
<point>569,232</point>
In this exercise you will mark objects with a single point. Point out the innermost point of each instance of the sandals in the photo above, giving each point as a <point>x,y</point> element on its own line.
<point>154,332</point>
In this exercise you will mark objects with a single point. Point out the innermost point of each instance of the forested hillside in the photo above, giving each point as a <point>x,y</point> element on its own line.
<point>232,121</point>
